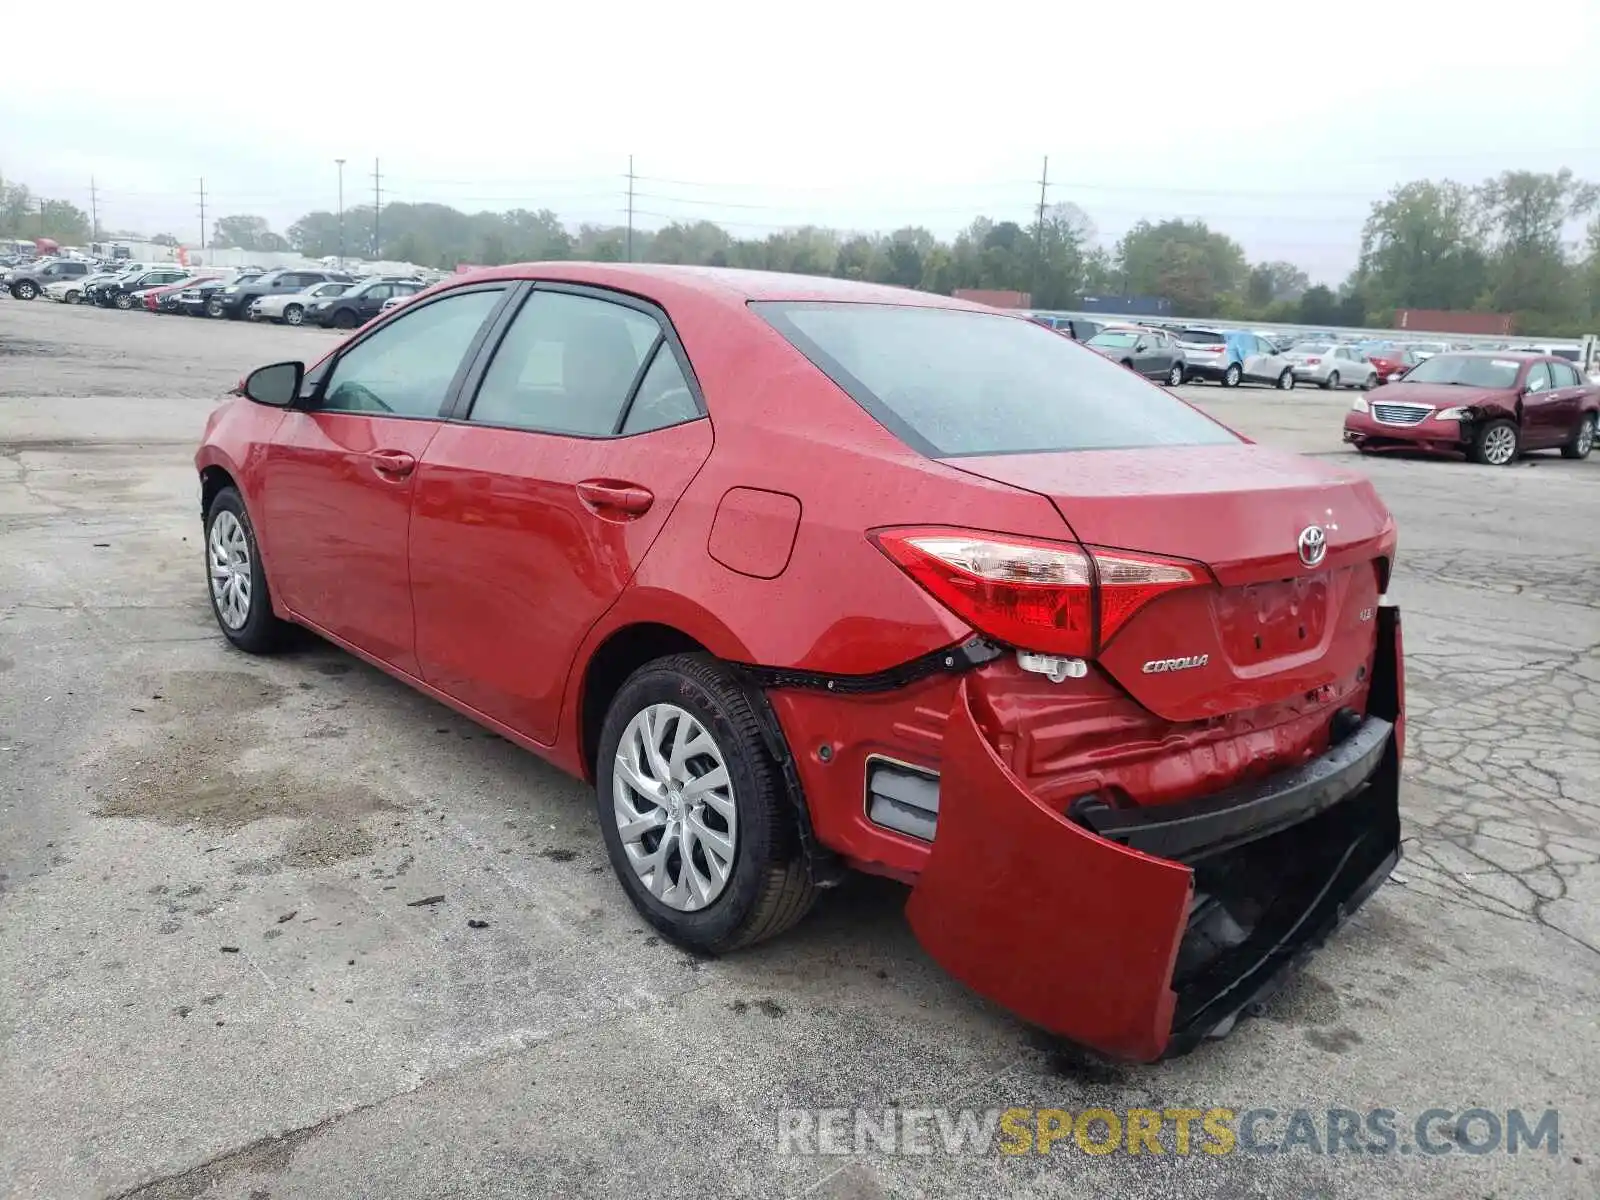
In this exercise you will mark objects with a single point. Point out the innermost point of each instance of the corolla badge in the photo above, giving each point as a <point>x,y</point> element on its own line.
<point>1160,666</point>
<point>1313,545</point>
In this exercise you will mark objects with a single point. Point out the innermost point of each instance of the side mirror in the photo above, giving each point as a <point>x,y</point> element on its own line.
<point>277,385</point>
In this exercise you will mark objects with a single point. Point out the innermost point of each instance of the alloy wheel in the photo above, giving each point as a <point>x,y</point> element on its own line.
<point>229,550</point>
<point>1175,376</point>
<point>293,315</point>
<point>674,807</point>
<point>1585,438</point>
<point>1499,446</point>
<point>1286,382</point>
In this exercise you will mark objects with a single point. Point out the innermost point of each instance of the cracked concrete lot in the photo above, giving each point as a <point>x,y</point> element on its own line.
<point>235,895</point>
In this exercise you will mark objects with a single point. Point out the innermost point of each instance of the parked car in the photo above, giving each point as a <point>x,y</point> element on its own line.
<point>393,302</point>
<point>164,297</point>
<point>1391,364</point>
<point>1153,353</point>
<point>1079,329</point>
<point>71,289</point>
<point>1332,366</point>
<point>289,308</point>
<point>1233,356</point>
<point>26,283</point>
<point>360,303</point>
<point>119,292</point>
<point>109,277</point>
<point>1490,406</point>
<point>233,301</point>
<point>197,301</point>
<point>774,665</point>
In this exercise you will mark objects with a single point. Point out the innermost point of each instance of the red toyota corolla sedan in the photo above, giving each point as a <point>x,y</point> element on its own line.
<point>807,575</point>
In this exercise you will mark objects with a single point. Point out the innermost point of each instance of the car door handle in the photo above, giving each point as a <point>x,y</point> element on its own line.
<point>608,494</point>
<point>396,463</point>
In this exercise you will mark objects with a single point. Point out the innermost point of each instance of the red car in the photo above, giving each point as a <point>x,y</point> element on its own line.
<point>165,298</point>
<point>1490,406</point>
<point>806,575</point>
<point>1393,363</point>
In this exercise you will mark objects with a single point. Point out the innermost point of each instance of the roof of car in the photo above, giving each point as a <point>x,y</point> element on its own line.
<point>1518,355</point>
<point>727,284</point>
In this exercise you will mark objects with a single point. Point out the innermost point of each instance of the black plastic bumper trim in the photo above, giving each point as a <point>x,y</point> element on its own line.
<point>972,653</point>
<point>1223,820</point>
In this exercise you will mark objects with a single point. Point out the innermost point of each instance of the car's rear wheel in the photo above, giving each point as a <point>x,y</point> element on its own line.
<point>697,818</point>
<point>25,290</point>
<point>1582,440</point>
<point>1175,375</point>
<point>1231,377</point>
<point>1496,444</point>
<point>294,314</point>
<point>1332,381</point>
<point>237,582</point>
<point>1286,380</point>
<point>1370,382</point>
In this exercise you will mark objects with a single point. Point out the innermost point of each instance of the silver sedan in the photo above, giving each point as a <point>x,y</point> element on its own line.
<point>1331,366</point>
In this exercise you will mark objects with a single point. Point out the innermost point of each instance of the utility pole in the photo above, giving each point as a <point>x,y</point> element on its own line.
<point>1038,241</point>
<point>94,212</point>
<point>41,216</point>
<point>377,207</point>
<point>340,161</point>
<point>630,207</point>
<point>202,212</point>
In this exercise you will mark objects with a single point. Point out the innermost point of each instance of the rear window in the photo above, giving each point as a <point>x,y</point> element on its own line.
<point>1201,336</point>
<point>1114,338</point>
<point>949,382</point>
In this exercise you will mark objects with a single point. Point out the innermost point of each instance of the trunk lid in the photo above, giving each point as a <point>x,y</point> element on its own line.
<point>1270,626</point>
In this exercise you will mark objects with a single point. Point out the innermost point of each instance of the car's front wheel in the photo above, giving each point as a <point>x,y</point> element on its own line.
<point>237,582</point>
<point>1582,439</point>
<point>697,817</point>
<point>1331,382</point>
<point>344,319</point>
<point>1497,443</point>
<point>294,314</point>
<point>215,308</point>
<point>124,301</point>
<point>25,290</point>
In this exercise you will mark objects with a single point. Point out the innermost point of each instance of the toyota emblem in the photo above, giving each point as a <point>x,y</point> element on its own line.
<point>1313,545</point>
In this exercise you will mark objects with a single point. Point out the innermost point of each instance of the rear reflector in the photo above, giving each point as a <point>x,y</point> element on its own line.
<point>1050,597</point>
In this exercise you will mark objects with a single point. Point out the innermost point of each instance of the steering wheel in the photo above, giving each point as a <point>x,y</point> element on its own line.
<point>360,397</point>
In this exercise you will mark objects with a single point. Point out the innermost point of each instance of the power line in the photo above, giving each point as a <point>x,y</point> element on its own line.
<point>631,178</point>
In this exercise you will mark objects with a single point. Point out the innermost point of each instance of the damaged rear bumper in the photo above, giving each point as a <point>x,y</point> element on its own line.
<point>1142,932</point>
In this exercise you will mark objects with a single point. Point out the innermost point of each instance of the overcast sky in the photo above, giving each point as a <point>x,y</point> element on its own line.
<point>1277,122</point>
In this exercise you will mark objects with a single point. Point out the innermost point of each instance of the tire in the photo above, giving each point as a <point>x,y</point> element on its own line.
<point>1286,380</point>
<point>1497,444</point>
<point>1331,383</point>
<point>1231,377</point>
<point>1128,362</point>
<point>124,301</point>
<point>215,308</point>
<point>767,887</point>
<point>1175,375</point>
<point>71,297</point>
<point>1370,382</point>
<point>25,289</point>
<point>227,522</point>
<point>294,314</point>
<point>344,319</point>
<point>1582,439</point>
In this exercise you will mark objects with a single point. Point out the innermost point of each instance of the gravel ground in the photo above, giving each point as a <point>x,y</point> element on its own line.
<point>220,975</point>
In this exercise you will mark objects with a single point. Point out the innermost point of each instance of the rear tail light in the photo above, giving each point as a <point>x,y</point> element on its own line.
<point>1312,361</point>
<point>1033,594</point>
<point>1215,349</point>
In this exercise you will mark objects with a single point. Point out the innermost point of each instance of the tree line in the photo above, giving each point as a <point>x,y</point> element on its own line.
<point>1500,246</point>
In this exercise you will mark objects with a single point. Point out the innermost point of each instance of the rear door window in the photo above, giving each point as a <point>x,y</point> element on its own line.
<point>1564,375</point>
<point>953,382</point>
